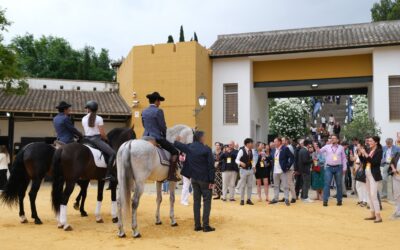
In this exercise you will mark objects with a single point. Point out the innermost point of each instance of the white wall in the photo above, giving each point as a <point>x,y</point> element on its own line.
<point>237,70</point>
<point>259,112</point>
<point>386,62</point>
<point>37,83</point>
<point>3,127</point>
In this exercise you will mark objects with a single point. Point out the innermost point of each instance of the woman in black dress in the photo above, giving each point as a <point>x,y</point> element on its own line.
<point>263,169</point>
<point>218,174</point>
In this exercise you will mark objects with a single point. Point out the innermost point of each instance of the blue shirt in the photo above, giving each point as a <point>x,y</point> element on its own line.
<point>64,128</point>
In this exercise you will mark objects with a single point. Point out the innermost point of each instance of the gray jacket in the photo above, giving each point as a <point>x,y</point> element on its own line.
<point>154,122</point>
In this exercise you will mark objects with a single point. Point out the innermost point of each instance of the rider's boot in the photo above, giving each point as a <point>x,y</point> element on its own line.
<point>110,176</point>
<point>172,168</point>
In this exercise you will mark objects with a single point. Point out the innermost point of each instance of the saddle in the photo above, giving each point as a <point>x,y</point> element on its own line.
<point>100,159</point>
<point>163,154</point>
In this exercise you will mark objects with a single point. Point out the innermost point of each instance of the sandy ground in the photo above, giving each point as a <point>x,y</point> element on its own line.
<point>300,226</point>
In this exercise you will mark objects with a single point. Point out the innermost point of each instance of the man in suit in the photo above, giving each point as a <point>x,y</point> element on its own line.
<point>246,159</point>
<point>199,166</point>
<point>304,164</point>
<point>154,125</point>
<point>283,160</point>
<point>389,151</point>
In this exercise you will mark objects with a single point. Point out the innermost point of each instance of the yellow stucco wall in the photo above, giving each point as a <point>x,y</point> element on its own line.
<point>180,72</point>
<point>313,68</point>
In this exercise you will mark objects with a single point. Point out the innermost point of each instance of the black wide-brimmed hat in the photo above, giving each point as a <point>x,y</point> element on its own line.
<point>63,105</point>
<point>155,96</point>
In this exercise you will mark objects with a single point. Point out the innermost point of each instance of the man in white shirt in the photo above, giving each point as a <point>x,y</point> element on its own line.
<point>246,162</point>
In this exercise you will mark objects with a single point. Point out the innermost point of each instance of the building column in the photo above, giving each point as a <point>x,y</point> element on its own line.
<point>11,136</point>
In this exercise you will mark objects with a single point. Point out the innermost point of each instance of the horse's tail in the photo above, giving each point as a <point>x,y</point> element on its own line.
<point>18,179</point>
<point>125,179</point>
<point>58,181</point>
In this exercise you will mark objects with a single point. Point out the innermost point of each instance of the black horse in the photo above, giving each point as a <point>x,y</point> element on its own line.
<point>31,163</point>
<point>74,162</point>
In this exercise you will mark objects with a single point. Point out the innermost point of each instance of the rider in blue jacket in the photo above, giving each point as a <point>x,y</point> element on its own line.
<point>62,123</point>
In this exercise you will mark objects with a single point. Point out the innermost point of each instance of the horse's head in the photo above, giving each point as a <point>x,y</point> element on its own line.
<point>185,132</point>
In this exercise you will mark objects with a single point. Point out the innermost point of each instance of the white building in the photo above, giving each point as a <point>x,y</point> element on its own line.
<point>249,68</point>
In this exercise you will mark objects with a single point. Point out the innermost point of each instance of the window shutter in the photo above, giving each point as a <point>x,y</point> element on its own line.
<point>230,103</point>
<point>394,97</point>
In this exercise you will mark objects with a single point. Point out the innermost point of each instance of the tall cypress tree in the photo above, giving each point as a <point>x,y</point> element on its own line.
<point>195,37</point>
<point>181,35</point>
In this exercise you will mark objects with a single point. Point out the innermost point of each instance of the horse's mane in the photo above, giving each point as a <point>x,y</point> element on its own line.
<point>184,131</point>
<point>117,136</point>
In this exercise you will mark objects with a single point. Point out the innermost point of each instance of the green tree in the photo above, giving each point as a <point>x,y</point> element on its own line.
<point>170,39</point>
<point>360,106</point>
<point>195,37</point>
<point>386,10</point>
<point>11,77</point>
<point>360,127</point>
<point>181,35</point>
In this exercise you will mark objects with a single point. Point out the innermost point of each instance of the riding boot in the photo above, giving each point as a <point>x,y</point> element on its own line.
<point>172,168</point>
<point>110,173</point>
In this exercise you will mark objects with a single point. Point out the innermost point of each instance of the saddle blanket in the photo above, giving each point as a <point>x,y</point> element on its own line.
<point>98,157</point>
<point>164,156</point>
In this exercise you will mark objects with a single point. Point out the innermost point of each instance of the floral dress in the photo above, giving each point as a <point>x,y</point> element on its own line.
<point>317,174</point>
<point>218,173</point>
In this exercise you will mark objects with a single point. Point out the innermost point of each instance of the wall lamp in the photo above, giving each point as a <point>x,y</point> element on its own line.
<point>202,99</point>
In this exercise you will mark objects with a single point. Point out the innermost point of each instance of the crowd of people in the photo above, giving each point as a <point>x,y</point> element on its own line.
<point>364,168</point>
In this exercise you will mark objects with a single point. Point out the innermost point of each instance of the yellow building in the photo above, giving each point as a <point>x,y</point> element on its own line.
<point>180,72</point>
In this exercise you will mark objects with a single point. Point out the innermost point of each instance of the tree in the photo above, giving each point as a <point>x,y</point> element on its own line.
<point>11,77</point>
<point>288,117</point>
<point>170,39</point>
<point>360,104</point>
<point>195,37</point>
<point>386,10</point>
<point>181,35</point>
<point>360,127</point>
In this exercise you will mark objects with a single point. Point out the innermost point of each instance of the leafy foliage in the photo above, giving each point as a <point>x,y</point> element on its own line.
<point>11,77</point>
<point>170,39</point>
<point>386,10</point>
<point>53,57</point>
<point>288,117</point>
<point>181,35</point>
<point>360,127</point>
<point>360,103</point>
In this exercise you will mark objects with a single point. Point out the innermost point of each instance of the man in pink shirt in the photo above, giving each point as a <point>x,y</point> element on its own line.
<point>336,163</point>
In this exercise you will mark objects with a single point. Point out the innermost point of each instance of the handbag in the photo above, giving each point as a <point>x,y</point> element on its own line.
<point>360,175</point>
<point>316,169</point>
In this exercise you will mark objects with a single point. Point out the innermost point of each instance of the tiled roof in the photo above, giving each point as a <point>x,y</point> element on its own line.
<point>308,39</point>
<point>45,101</point>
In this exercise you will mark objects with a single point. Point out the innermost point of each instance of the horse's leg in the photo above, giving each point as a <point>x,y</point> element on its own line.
<point>139,188</point>
<point>159,200</point>
<point>84,187</point>
<point>100,189</point>
<point>114,215</point>
<point>69,188</point>
<point>32,197</point>
<point>172,186</point>
<point>21,196</point>
<point>78,198</point>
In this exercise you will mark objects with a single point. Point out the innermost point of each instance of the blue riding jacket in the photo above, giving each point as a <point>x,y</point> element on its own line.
<point>64,128</point>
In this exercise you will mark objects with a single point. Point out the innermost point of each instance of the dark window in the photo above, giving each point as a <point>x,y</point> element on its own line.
<point>44,86</point>
<point>230,104</point>
<point>394,97</point>
<point>94,89</point>
<point>61,87</point>
<point>78,88</point>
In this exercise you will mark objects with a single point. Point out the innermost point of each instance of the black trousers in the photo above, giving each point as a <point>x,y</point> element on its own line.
<point>3,178</point>
<point>299,184</point>
<point>200,189</point>
<point>167,146</point>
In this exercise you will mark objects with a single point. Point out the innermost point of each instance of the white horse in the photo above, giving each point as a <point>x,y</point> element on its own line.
<point>138,161</point>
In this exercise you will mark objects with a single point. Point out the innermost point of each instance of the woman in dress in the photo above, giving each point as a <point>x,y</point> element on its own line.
<point>4,161</point>
<point>372,158</point>
<point>218,174</point>
<point>317,173</point>
<point>263,169</point>
<point>359,173</point>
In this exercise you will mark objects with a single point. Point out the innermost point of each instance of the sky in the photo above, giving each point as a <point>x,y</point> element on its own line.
<point>117,25</point>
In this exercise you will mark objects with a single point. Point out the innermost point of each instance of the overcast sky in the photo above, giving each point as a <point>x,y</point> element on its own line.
<point>119,24</point>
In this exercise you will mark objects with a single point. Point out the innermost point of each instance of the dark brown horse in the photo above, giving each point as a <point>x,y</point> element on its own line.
<point>74,162</point>
<point>31,163</point>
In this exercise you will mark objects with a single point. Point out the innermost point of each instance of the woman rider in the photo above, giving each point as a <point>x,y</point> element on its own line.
<point>94,131</point>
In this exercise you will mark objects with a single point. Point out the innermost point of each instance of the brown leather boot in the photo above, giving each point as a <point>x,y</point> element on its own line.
<point>172,168</point>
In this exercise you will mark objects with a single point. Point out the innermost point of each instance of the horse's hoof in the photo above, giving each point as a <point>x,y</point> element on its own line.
<point>84,214</point>
<point>67,228</point>
<point>174,224</point>
<point>123,235</point>
<point>100,221</point>
<point>76,206</point>
<point>137,236</point>
<point>23,219</point>
<point>115,220</point>
<point>38,221</point>
<point>158,223</point>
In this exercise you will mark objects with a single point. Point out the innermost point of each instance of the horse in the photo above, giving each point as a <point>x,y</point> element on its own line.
<point>31,163</point>
<point>138,161</point>
<point>75,162</point>
<point>116,137</point>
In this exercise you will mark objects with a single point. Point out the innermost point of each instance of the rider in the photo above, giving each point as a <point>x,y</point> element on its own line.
<point>62,123</point>
<point>94,131</point>
<point>154,125</point>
